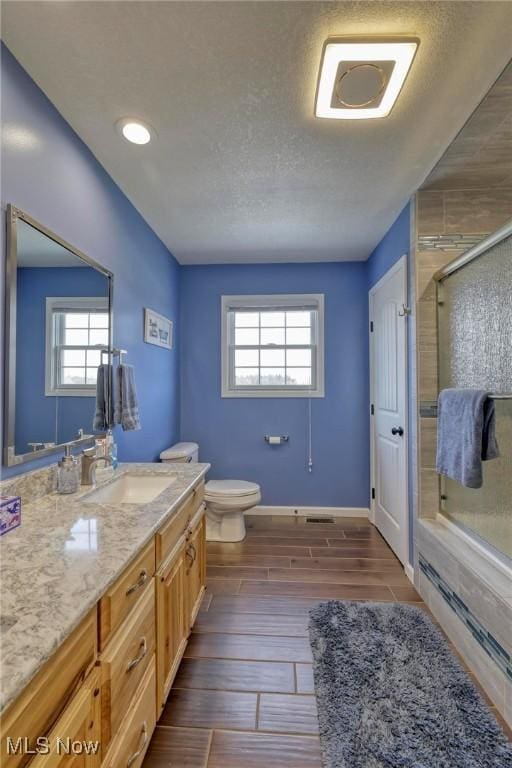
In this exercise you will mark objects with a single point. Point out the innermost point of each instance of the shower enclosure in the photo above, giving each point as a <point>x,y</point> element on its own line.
<point>474,304</point>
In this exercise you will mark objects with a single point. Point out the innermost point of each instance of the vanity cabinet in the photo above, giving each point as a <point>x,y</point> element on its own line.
<point>110,679</point>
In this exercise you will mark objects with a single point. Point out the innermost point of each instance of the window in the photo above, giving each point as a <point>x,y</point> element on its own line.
<point>273,346</point>
<point>76,330</point>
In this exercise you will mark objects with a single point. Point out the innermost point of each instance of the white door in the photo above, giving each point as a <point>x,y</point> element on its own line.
<point>388,361</point>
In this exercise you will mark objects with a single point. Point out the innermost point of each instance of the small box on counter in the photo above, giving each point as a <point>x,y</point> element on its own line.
<point>10,513</point>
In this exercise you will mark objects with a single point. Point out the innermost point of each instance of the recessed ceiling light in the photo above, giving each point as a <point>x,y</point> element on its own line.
<point>135,130</point>
<point>361,78</point>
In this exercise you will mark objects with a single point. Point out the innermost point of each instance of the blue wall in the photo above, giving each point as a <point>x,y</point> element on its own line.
<point>50,173</point>
<point>230,430</point>
<point>38,415</point>
<point>395,243</point>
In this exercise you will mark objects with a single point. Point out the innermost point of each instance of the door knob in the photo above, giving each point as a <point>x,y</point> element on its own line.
<point>397,431</point>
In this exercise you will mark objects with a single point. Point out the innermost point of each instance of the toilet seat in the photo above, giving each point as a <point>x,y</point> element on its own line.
<point>229,490</point>
<point>219,503</point>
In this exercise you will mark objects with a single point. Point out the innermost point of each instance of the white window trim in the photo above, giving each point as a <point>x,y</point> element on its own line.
<point>66,302</point>
<point>313,300</point>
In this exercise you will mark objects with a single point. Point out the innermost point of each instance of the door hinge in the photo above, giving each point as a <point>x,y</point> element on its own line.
<point>371,326</point>
<point>373,493</point>
<point>372,409</point>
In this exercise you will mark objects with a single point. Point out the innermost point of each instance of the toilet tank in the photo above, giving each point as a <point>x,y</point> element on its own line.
<point>181,453</point>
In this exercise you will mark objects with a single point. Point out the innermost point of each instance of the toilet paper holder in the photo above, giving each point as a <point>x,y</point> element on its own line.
<point>276,439</point>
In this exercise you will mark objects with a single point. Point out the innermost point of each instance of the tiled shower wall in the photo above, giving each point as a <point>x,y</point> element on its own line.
<point>451,212</point>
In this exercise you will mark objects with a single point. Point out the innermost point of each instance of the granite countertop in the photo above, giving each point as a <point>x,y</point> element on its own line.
<point>67,552</point>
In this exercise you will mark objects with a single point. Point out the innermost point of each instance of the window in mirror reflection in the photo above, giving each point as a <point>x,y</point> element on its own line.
<point>78,330</point>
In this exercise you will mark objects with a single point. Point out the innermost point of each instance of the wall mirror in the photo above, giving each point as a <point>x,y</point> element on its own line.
<point>58,331</point>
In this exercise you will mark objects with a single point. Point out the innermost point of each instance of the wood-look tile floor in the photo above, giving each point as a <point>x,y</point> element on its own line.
<point>243,696</point>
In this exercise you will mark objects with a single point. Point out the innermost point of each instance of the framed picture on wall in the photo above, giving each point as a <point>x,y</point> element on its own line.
<point>157,329</point>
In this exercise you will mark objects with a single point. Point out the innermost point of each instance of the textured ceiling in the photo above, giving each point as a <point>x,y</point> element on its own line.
<point>241,170</point>
<point>481,155</point>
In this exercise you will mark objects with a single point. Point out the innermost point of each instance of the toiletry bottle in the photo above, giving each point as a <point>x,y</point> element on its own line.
<point>113,454</point>
<point>101,447</point>
<point>111,448</point>
<point>67,473</point>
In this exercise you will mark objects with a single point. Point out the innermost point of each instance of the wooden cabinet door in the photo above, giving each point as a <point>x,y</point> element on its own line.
<point>44,701</point>
<point>74,741</point>
<point>195,560</point>
<point>172,629</point>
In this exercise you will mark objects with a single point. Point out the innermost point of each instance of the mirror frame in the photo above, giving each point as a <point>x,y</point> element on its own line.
<point>10,458</point>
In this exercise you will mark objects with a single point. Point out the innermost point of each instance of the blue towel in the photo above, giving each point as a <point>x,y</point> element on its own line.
<point>466,434</point>
<point>126,404</point>
<point>102,414</point>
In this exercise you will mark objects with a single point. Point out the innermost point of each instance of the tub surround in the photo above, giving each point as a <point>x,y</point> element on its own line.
<point>467,571</point>
<point>64,556</point>
<point>482,587</point>
<point>464,195</point>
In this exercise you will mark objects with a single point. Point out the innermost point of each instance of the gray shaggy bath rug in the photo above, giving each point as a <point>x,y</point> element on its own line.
<point>391,694</point>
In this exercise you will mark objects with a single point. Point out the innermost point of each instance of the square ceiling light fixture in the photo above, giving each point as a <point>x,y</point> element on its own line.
<point>361,78</point>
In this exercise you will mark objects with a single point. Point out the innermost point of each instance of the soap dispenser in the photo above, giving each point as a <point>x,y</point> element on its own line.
<point>67,473</point>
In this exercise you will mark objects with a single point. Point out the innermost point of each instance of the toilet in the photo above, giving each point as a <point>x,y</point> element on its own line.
<point>226,500</point>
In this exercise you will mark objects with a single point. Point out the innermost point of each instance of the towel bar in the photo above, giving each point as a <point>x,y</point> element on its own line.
<point>115,353</point>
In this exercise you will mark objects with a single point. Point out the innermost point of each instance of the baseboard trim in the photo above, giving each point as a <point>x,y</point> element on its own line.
<point>261,509</point>
<point>409,572</point>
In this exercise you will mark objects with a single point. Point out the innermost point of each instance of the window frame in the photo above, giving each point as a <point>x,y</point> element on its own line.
<point>274,302</point>
<point>85,304</point>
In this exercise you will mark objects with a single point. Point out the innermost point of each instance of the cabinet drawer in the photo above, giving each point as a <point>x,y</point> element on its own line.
<point>37,710</point>
<point>117,603</point>
<point>130,745</point>
<point>74,741</point>
<point>171,531</point>
<point>123,663</point>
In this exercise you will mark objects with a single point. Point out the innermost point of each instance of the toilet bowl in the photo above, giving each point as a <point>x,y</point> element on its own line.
<point>226,500</point>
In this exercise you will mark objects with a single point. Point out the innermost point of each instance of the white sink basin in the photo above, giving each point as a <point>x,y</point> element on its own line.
<point>130,489</point>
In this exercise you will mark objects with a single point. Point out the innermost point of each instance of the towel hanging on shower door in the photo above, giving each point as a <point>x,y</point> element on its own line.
<point>466,435</point>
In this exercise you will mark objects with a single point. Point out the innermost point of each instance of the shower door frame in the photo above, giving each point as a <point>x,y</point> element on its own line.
<point>459,262</point>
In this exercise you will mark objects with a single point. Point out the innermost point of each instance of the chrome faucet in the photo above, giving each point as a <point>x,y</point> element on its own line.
<point>89,461</point>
